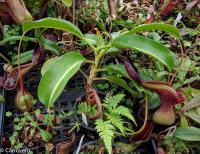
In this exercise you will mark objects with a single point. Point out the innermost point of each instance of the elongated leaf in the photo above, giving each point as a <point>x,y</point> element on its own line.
<point>118,69</point>
<point>188,133</point>
<point>195,102</point>
<point>48,65</point>
<point>50,45</point>
<point>193,114</point>
<point>156,26</point>
<point>56,77</point>
<point>24,57</point>
<point>92,38</point>
<point>106,132</point>
<point>124,111</point>
<point>183,121</point>
<point>117,121</point>
<point>184,69</point>
<point>46,136</point>
<point>17,38</point>
<point>67,3</point>
<point>53,23</point>
<point>192,79</point>
<point>128,147</point>
<point>120,82</point>
<point>147,46</point>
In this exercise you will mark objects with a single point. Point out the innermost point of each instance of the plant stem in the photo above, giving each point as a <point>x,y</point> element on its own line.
<point>103,47</point>
<point>6,59</point>
<point>19,69</point>
<point>101,54</point>
<point>90,45</point>
<point>101,70</point>
<point>90,62</point>
<point>84,74</point>
<point>98,53</point>
<point>49,117</point>
<point>94,67</point>
<point>145,118</point>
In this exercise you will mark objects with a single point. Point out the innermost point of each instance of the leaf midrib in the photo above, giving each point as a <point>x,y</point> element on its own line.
<point>60,80</point>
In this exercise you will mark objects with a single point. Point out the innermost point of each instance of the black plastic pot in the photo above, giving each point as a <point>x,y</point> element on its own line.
<point>85,145</point>
<point>64,103</point>
<point>148,147</point>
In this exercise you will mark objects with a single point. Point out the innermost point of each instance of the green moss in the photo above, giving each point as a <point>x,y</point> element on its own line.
<point>174,145</point>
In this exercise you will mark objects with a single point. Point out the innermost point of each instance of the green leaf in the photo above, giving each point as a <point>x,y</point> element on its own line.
<point>120,82</point>
<point>192,79</point>
<point>16,38</point>
<point>188,133</point>
<point>193,114</point>
<point>124,111</point>
<point>53,23</point>
<point>195,92</point>
<point>124,23</point>
<point>47,65</point>
<point>118,69</point>
<point>67,3</point>
<point>86,108</point>
<point>106,132</point>
<point>8,114</point>
<point>46,136</point>
<point>156,26</point>
<point>50,45</point>
<point>195,102</point>
<point>184,69</point>
<point>92,38</point>
<point>111,102</point>
<point>183,121</point>
<point>128,147</point>
<point>154,101</point>
<point>117,121</point>
<point>56,77</point>
<point>24,57</point>
<point>147,46</point>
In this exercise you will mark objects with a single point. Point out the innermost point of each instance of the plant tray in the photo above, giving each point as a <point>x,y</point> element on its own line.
<point>65,103</point>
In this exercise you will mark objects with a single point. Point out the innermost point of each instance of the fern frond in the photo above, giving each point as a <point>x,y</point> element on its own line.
<point>124,111</point>
<point>111,102</point>
<point>117,121</point>
<point>106,132</point>
<point>86,108</point>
